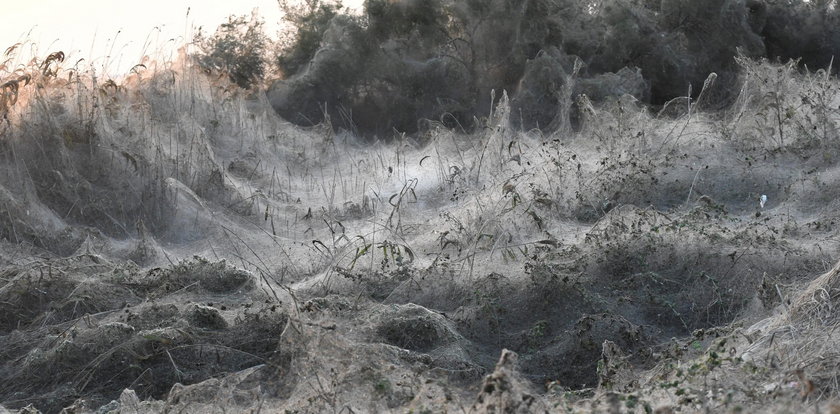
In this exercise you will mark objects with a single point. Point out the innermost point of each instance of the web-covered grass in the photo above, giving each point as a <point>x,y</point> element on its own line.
<point>627,227</point>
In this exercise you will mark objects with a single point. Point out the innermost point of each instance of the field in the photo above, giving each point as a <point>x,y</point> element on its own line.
<point>169,243</point>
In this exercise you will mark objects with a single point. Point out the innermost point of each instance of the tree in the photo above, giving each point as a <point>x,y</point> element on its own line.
<point>238,47</point>
<point>307,22</point>
<point>407,60</point>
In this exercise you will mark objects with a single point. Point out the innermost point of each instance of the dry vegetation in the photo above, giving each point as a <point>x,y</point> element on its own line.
<point>168,243</point>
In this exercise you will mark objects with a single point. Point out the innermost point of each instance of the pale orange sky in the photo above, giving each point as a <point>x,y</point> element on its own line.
<point>97,29</point>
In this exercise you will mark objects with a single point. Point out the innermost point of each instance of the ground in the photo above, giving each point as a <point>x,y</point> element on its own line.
<point>170,243</point>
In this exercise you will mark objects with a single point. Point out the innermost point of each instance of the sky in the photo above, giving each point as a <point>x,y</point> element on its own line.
<point>111,33</point>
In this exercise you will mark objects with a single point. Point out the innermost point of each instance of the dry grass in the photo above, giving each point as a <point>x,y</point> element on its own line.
<point>401,271</point>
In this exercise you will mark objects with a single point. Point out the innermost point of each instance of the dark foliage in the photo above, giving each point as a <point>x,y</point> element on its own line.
<point>795,29</point>
<point>308,21</point>
<point>238,48</point>
<point>407,60</point>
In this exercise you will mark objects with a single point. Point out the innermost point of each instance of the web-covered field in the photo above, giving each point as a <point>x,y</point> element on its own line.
<point>170,243</point>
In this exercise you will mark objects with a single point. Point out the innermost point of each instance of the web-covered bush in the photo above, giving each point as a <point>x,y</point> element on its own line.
<point>806,30</point>
<point>406,60</point>
<point>409,60</point>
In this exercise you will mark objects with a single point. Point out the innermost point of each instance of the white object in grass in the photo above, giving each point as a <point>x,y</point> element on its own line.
<point>763,200</point>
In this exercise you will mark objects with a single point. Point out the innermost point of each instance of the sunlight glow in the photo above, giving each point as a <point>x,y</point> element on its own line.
<point>115,35</point>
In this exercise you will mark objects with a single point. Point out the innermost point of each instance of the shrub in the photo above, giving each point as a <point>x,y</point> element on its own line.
<point>238,48</point>
<point>808,30</point>
<point>406,60</point>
